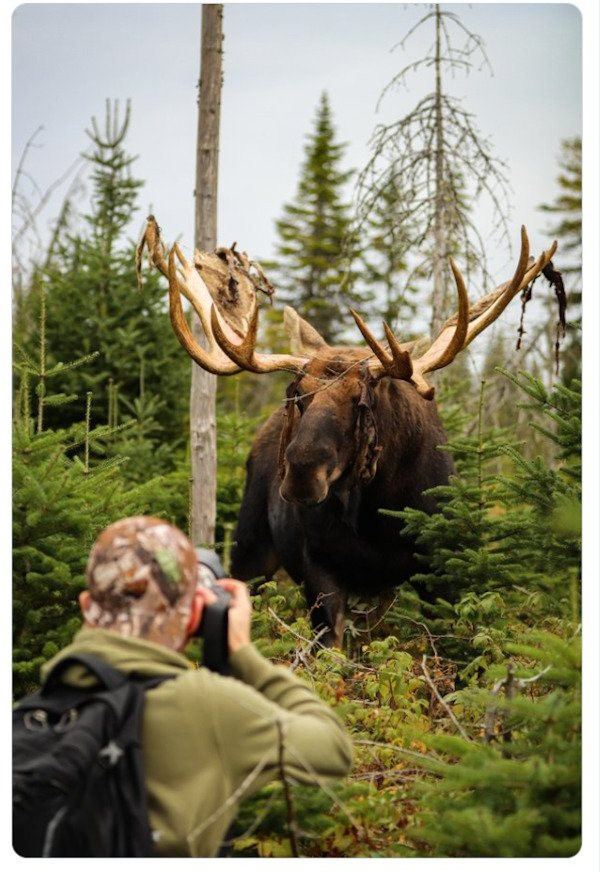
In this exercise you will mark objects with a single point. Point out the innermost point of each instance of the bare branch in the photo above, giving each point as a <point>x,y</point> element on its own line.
<point>441,701</point>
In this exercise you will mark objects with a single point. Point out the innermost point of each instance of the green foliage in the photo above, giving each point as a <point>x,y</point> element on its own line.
<point>60,504</point>
<point>316,247</point>
<point>95,307</point>
<point>67,485</point>
<point>499,543</point>
<point>518,792</point>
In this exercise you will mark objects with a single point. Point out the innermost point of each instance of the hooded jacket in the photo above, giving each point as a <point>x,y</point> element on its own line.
<point>210,741</point>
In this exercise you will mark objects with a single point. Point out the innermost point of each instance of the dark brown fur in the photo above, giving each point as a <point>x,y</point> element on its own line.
<point>353,447</point>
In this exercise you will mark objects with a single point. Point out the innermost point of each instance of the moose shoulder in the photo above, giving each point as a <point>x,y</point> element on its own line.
<point>358,432</point>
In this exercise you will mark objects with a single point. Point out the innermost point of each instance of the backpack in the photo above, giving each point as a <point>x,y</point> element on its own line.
<point>78,780</point>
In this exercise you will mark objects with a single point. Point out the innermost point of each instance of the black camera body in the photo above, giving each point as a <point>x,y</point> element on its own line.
<point>214,623</point>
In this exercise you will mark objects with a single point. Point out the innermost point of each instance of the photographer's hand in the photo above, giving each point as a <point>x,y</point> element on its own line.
<point>239,615</point>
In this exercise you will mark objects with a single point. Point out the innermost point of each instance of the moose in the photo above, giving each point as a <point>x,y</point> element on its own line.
<point>358,431</point>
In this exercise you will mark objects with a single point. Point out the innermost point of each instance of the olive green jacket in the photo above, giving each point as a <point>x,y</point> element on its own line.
<point>210,741</point>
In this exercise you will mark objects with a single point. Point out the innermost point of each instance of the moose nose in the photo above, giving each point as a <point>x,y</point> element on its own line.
<point>304,483</point>
<point>305,456</point>
<point>300,500</point>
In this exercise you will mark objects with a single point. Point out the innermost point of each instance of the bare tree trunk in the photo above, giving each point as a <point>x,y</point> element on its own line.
<point>439,240</point>
<point>203,441</point>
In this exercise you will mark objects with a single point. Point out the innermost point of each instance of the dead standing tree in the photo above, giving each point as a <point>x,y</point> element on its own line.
<point>439,161</point>
<point>203,439</point>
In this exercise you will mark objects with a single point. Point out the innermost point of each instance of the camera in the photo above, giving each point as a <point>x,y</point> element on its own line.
<point>214,623</point>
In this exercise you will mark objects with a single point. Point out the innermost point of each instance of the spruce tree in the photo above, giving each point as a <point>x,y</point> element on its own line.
<point>93,304</point>
<point>514,791</point>
<point>68,484</point>
<point>495,545</point>
<point>316,249</point>
<point>61,500</point>
<point>59,505</point>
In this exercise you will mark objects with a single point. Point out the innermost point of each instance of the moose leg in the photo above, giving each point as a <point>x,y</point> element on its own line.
<point>327,607</point>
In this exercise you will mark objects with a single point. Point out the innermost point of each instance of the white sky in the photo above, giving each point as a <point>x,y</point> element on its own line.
<point>67,58</point>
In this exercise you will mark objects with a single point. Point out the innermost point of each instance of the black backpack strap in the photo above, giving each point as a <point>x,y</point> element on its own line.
<point>110,677</point>
<point>147,682</point>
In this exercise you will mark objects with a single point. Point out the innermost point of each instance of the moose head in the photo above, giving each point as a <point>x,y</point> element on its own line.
<point>329,426</point>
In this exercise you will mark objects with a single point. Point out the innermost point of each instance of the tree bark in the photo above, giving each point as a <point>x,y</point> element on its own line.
<point>203,442</point>
<point>439,232</point>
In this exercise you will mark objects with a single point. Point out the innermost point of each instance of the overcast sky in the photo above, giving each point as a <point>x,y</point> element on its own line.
<point>67,58</point>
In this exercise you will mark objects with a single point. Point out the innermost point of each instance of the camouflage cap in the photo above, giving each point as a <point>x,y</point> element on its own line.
<point>141,575</point>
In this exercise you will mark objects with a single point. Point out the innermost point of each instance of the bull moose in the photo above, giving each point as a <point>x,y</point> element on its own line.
<point>358,432</point>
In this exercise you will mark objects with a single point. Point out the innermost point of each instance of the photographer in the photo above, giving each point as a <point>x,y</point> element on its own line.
<point>208,741</point>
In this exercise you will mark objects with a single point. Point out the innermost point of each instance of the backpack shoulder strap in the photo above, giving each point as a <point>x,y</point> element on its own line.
<point>110,677</point>
<point>147,682</point>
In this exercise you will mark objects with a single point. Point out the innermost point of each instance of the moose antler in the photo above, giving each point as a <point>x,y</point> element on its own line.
<point>244,353</point>
<point>232,281</point>
<point>459,330</point>
<point>185,278</point>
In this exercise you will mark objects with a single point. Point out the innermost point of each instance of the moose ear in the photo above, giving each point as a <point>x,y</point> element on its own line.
<point>304,339</point>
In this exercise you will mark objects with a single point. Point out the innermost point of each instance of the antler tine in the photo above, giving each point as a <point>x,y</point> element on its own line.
<point>396,364</point>
<point>176,252</point>
<point>482,313</point>
<point>443,350</point>
<point>373,344</point>
<point>213,361</point>
<point>507,292</point>
<point>458,331</point>
<point>243,353</point>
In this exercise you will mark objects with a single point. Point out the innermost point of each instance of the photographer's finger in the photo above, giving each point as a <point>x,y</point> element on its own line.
<point>207,596</point>
<point>237,589</point>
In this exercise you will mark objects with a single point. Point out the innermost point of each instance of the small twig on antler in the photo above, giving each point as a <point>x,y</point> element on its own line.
<point>156,250</point>
<point>441,701</point>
